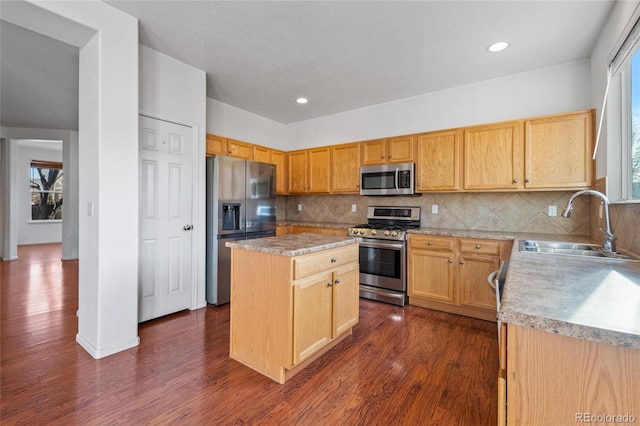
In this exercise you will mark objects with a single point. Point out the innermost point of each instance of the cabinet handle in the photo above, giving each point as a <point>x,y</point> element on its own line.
<point>337,281</point>
<point>527,180</point>
<point>430,243</point>
<point>329,284</point>
<point>516,181</point>
<point>450,260</point>
<point>462,262</point>
<point>334,260</point>
<point>478,246</point>
<point>382,157</point>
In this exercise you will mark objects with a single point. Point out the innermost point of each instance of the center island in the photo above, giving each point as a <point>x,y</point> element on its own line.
<point>293,298</point>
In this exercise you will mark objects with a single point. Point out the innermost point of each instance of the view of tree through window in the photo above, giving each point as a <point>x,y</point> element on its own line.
<point>46,190</point>
<point>635,126</point>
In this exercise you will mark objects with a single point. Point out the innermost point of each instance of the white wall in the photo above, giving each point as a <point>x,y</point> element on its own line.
<point>174,91</point>
<point>35,232</point>
<point>561,88</point>
<point>108,162</point>
<point>229,121</point>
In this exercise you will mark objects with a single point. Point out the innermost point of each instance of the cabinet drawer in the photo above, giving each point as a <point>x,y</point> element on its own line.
<point>489,247</point>
<point>430,242</point>
<point>313,263</point>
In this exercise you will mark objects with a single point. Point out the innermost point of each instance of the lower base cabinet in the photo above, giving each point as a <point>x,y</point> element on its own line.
<point>288,311</point>
<point>551,379</point>
<point>450,274</point>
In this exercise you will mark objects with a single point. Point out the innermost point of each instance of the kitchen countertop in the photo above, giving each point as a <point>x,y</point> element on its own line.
<point>596,299</point>
<point>293,245</point>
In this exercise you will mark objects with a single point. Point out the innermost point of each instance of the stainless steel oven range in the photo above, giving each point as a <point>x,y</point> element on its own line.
<point>383,252</point>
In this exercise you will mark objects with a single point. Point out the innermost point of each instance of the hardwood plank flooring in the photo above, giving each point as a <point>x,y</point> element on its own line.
<point>401,366</point>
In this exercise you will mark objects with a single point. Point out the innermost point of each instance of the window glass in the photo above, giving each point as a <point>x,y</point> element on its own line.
<point>634,149</point>
<point>46,190</point>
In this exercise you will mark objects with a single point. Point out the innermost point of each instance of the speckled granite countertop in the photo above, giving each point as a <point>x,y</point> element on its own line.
<point>294,245</point>
<point>589,298</point>
<point>494,235</point>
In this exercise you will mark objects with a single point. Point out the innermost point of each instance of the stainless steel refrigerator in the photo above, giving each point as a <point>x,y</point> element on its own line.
<point>241,205</point>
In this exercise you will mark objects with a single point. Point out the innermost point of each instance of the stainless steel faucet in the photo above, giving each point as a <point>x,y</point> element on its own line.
<point>609,244</point>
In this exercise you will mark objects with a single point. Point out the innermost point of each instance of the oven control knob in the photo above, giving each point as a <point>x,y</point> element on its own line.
<point>394,234</point>
<point>374,232</point>
<point>362,232</point>
<point>387,233</point>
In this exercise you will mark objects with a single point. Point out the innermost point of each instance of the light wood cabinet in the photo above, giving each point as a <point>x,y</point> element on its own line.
<point>309,171</point>
<point>558,151</point>
<point>493,157</point>
<point>288,311</point>
<point>399,149</point>
<point>450,274</point>
<point>239,149</point>
<point>216,145</point>
<point>345,168</point>
<point>279,158</point>
<point>438,161</point>
<point>262,154</point>
<point>552,379</point>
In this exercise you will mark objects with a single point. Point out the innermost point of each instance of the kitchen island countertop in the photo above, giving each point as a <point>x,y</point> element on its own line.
<point>293,245</point>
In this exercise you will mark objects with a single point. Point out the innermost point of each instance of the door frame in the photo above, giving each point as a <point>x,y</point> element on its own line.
<point>198,239</point>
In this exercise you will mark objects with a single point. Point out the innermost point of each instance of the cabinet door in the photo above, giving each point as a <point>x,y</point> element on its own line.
<point>319,165</point>
<point>239,149</point>
<point>298,172</point>
<point>279,158</point>
<point>262,154</point>
<point>374,152</point>
<point>473,288</point>
<point>312,299</point>
<point>431,275</point>
<point>345,168</point>
<point>558,151</point>
<point>401,149</point>
<point>216,145</point>
<point>493,156</point>
<point>346,299</point>
<point>438,161</point>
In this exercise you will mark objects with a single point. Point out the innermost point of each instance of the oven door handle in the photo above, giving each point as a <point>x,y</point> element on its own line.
<point>379,244</point>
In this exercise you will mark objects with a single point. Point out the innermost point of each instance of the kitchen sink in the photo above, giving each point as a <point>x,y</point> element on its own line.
<point>572,249</point>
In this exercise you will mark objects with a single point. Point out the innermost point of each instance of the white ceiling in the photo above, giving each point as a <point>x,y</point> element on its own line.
<point>261,55</point>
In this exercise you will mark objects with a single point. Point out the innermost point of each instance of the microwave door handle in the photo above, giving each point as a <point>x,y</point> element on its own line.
<point>396,179</point>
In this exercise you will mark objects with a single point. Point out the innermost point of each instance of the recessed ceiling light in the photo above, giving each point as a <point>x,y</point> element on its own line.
<point>499,46</point>
<point>302,100</point>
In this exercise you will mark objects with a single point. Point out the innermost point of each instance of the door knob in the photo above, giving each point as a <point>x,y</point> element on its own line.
<point>187,227</point>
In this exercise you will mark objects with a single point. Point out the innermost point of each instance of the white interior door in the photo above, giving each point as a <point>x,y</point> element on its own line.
<point>166,182</point>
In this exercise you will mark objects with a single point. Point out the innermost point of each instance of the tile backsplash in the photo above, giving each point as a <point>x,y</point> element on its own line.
<point>505,211</point>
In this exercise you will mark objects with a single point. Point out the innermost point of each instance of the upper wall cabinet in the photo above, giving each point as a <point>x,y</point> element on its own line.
<point>216,145</point>
<point>309,171</point>
<point>400,149</point>
<point>493,156</point>
<point>345,168</point>
<point>262,154</point>
<point>558,151</point>
<point>438,161</point>
<point>279,158</point>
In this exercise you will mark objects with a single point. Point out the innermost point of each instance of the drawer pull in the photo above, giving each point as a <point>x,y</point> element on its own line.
<point>430,243</point>
<point>334,260</point>
<point>462,262</point>
<point>450,260</point>
<point>478,246</point>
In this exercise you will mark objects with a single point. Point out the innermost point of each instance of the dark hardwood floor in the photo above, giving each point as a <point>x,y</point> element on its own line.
<point>402,366</point>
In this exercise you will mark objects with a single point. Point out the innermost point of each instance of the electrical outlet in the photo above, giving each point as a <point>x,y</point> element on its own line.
<point>354,207</point>
<point>434,209</point>
<point>553,211</point>
<point>299,207</point>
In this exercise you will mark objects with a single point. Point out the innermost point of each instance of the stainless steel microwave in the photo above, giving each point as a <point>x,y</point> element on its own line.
<point>388,179</point>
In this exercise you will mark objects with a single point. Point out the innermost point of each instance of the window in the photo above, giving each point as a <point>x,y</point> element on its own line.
<point>46,190</point>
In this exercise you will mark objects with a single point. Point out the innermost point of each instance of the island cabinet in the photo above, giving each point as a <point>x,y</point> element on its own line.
<point>551,379</point>
<point>286,311</point>
<point>399,149</point>
<point>450,274</point>
<point>438,161</point>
